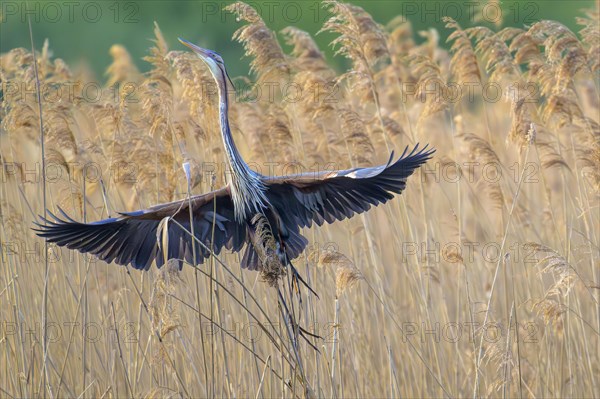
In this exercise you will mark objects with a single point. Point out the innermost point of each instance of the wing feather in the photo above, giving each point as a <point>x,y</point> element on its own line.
<point>131,238</point>
<point>330,196</point>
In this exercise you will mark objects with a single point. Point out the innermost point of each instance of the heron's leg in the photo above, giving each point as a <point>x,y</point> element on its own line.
<point>295,327</point>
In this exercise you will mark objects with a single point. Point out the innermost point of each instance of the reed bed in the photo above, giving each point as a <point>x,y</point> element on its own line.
<point>480,280</point>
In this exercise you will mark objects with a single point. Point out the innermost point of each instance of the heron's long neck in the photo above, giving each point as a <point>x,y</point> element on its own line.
<point>234,158</point>
<point>247,189</point>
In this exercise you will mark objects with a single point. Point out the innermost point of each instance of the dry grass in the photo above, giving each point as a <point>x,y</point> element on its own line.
<point>511,238</point>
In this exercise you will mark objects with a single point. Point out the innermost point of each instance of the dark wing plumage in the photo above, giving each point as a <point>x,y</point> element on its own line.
<point>132,239</point>
<point>330,196</point>
<point>299,200</point>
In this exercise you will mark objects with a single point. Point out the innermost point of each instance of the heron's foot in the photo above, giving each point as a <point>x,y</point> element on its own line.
<point>306,334</point>
<point>297,279</point>
<point>294,328</point>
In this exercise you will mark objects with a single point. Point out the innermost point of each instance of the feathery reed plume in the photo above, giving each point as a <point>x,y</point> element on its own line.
<point>551,307</point>
<point>589,153</point>
<point>522,117</point>
<point>164,312</point>
<point>400,44</point>
<point>198,88</point>
<point>14,63</point>
<point>549,156</point>
<point>393,128</point>
<point>123,69</point>
<point>400,39</point>
<point>523,133</point>
<point>562,49</point>
<point>12,224</point>
<point>359,144</point>
<point>60,136</point>
<point>464,61</point>
<point>523,45</point>
<point>500,356</point>
<point>431,86</point>
<point>552,311</point>
<point>430,47</point>
<point>346,277</point>
<point>279,133</point>
<point>44,62</point>
<point>61,173</point>
<point>158,102</point>
<point>363,42</point>
<point>21,117</point>
<point>555,264</point>
<point>271,269</point>
<point>260,43</point>
<point>158,54</point>
<point>306,53</point>
<point>590,36</point>
<point>360,39</point>
<point>561,108</point>
<point>480,150</point>
<point>318,115</point>
<point>499,65</point>
<point>252,117</point>
<point>62,73</point>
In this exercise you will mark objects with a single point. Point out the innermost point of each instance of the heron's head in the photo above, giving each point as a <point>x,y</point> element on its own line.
<point>211,59</point>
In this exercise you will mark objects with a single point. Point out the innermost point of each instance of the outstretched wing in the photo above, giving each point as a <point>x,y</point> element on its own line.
<point>132,239</point>
<point>336,195</point>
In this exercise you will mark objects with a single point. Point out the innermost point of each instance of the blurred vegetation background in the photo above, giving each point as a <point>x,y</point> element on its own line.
<point>82,32</point>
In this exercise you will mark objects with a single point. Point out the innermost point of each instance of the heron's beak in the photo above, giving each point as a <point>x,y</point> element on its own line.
<point>208,57</point>
<point>198,50</point>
